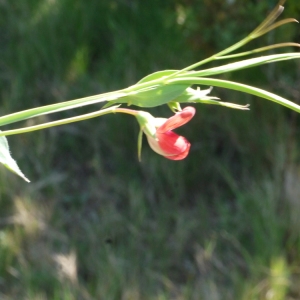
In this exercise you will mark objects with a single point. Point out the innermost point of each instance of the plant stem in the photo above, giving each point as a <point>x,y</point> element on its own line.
<point>257,32</point>
<point>112,109</point>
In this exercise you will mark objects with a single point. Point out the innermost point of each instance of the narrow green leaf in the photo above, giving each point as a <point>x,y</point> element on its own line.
<point>7,160</point>
<point>53,108</point>
<point>247,63</point>
<point>257,50</point>
<point>226,104</point>
<point>140,142</point>
<point>238,87</point>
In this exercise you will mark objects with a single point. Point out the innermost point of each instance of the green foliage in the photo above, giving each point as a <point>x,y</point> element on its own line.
<point>97,224</point>
<point>7,160</point>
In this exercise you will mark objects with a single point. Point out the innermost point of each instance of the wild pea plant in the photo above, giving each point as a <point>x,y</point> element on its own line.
<point>170,87</point>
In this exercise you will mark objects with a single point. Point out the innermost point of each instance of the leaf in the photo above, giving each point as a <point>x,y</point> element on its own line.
<point>7,160</point>
<point>238,87</point>
<point>157,75</point>
<point>151,95</point>
<point>157,95</point>
<point>247,63</point>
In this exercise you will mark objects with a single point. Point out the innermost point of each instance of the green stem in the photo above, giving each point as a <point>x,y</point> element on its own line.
<point>71,104</point>
<point>257,32</point>
<point>266,48</point>
<point>47,109</point>
<point>273,15</point>
<point>213,57</point>
<point>112,109</point>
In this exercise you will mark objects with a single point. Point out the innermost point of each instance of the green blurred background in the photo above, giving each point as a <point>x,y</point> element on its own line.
<point>94,223</point>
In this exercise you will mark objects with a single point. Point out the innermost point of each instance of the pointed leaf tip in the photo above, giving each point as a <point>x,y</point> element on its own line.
<point>7,160</point>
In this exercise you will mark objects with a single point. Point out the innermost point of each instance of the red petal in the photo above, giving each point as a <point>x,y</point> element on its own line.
<point>181,155</point>
<point>173,146</point>
<point>178,119</point>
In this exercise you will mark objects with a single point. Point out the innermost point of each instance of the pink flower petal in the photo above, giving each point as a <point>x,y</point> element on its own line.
<point>178,119</point>
<point>167,143</point>
<point>181,155</point>
<point>173,146</point>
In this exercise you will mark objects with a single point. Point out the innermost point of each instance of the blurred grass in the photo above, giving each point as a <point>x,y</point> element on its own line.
<point>97,224</point>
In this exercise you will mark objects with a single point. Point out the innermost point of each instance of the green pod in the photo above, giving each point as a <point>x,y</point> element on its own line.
<point>153,95</point>
<point>157,95</point>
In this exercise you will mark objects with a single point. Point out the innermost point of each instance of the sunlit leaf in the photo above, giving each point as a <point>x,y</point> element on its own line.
<point>7,160</point>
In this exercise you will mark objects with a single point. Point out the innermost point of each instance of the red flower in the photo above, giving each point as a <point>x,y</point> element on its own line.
<point>166,142</point>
